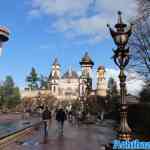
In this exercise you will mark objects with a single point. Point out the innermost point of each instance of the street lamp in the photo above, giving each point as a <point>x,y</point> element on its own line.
<point>88,83</point>
<point>121,59</point>
<point>4,36</point>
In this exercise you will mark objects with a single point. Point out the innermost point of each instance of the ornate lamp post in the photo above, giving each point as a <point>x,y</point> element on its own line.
<point>4,36</point>
<point>88,86</point>
<point>121,59</point>
<point>88,89</point>
<point>84,96</point>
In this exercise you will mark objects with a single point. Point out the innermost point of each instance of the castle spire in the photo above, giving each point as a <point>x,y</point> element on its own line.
<point>55,63</point>
<point>70,71</point>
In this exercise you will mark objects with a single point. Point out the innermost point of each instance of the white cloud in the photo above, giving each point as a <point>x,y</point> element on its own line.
<point>62,7</point>
<point>134,83</point>
<point>34,13</point>
<point>44,46</point>
<point>128,7</point>
<point>94,27</point>
<point>83,18</point>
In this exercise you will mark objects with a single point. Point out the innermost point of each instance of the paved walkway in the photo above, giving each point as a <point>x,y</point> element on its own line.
<point>85,137</point>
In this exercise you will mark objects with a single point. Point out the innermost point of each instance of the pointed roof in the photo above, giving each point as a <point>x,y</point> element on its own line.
<point>55,63</point>
<point>86,59</point>
<point>120,23</point>
<point>70,71</point>
<point>55,76</point>
<point>101,67</point>
<point>70,74</point>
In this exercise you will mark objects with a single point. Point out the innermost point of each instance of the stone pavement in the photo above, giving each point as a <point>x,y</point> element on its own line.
<point>84,137</point>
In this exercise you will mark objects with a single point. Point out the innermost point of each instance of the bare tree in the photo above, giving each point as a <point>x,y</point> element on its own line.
<point>140,40</point>
<point>143,8</point>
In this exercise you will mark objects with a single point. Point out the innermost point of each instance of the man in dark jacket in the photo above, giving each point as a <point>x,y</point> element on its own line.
<point>46,116</point>
<point>61,117</point>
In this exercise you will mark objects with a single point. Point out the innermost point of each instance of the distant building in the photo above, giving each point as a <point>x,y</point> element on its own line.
<point>101,89</point>
<point>71,86</point>
<point>85,80</point>
<point>63,87</point>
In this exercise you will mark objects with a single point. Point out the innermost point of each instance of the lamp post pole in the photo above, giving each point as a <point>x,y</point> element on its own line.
<point>88,83</point>
<point>121,59</point>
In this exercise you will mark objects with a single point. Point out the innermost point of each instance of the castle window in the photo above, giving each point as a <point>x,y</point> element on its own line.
<point>60,91</point>
<point>54,89</point>
<point>50,88</point>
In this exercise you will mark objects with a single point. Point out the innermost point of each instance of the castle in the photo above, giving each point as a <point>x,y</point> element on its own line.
<point>71,86</point>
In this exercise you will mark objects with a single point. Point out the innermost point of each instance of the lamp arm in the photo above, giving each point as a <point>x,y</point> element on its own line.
<point>115,60</point>
<point>112,32</point>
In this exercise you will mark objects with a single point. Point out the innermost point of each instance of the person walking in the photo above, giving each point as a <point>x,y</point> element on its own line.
<point>61,117</point>
<point>70,116</point>
<point>46,116</point>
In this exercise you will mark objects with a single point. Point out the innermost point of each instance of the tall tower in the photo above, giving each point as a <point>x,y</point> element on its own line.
<point>86,65</point>
<point>101,89</point>
<point>86,74</point>
<point>54,77</point>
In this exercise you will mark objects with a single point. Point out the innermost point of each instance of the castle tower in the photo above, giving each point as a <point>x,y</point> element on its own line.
<point>86,74</point>
<point>101,89</point>
<point>86,65</point>
<point>54,77</point>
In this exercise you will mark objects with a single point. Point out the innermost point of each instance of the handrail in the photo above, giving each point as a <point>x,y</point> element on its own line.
<point>7,137</point>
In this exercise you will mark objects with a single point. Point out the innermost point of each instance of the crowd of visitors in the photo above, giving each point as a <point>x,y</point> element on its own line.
<point>60,115</point>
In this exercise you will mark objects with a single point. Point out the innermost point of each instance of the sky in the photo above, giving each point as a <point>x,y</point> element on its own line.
<point>44,29</point>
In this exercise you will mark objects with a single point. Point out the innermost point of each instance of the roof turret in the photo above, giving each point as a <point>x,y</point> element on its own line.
<point>86,60</point>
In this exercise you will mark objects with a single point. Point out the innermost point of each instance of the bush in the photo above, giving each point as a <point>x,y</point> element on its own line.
<point>138,118</point>
<point>145,94</point>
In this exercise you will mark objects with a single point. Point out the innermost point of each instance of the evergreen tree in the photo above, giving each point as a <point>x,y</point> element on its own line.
<point>1,96</point>
<point>43,82</point>
<point>32,79</point>
<point>145,93</point>
<point>9,94</point>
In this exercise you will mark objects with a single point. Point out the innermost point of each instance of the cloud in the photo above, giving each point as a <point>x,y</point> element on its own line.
<point>93,28</point>
<point>135,82</point>
<point>128,7</point>
<point>34,13</point>
<point>61,7</point>
<point>83,18</point>
<point>85,25</point>
<point>44,46</point>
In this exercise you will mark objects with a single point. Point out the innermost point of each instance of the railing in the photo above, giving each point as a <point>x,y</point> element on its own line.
<point>16,135</point>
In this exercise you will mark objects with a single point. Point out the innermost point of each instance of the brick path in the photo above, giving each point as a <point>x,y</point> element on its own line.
<point>85,137</point>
